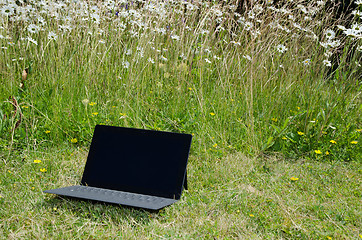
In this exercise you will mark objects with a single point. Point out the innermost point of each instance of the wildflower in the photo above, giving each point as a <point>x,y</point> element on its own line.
<point>359,130</point>
<point>358,2</point>
<point>151,60</point>
<point>212,114</point>
<point>37,161</point>
<point>281,48</point>
<point>125,64</point>
<point>207,60</point>
<point>247,57</point>
<point>251,215</point>
<point>92,103</point>
<point>102,41</point>
<point>330,34</point>
<point>306,62</point>
<point>47,131</point>
<point>32,28</point>
<point>300,133</point>
<point>32,40</point>
<point>95,113</point>
<point>327,63</point>
<point>43,170</point>
<point>333,141</point>
<point>52,36</point>
<point>294,179</point>
<point>354,142</point>
<point>284,138</point>
<point>318,151</point>
<point>274,119</point>
<point>327,153</point>
<point>7,10</point>
<point>73,140</point>
<point>163,58</point>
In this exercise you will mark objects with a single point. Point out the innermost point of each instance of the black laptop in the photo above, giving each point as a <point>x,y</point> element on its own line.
<point>133,167</point>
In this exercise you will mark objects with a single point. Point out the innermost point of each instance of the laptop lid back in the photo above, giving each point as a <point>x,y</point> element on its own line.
<point>136,160</point>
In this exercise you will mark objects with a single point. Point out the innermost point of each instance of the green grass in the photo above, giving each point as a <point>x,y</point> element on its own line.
<point>259,118</point>
<point>235,197</point>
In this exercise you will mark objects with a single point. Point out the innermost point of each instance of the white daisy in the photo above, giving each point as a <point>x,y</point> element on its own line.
<point>52,36</point>
<point>281,48</point>
<point>306,62</point>
<point>7,10</point>
<point>327,63</point>
<point>125,64</point>
<point>330,34</point>
<point>32,28</point>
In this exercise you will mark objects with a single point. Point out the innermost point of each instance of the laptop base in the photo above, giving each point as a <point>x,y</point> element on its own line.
<point>113,196</point>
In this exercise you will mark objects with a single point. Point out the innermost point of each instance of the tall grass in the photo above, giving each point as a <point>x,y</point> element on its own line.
<point>199,68</point>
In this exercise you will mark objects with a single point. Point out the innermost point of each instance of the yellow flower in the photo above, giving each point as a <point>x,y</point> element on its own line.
<point>318,151</point>
<point>123,114</point>
<point>92,103</point>
<point>294,178</point>
<point>284,138</point>
<point>274,119</point>
<point>329,237</point>
<point>43,170</point>
<point>298,108</point>
<point>359,130</point>
<point>47,131</point>
<point>73,140</point>
<point>300,133</point>
<point>327,153</point>
<point>251,215</point>
<point>95,113</point>
<point>332,141</point>
<point>354,142</point>
<point>37,161</point>
<point>212,114</point>
<point>215,145</point>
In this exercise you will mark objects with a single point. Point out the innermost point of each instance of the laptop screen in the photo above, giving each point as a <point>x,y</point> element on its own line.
<point>136,160</point>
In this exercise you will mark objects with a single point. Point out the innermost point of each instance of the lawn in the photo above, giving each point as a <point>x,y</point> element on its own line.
<point>232,197</point>
<point>271,95</point>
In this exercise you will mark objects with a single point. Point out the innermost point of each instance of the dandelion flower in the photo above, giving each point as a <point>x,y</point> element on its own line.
<point>318,151</point>
<point>74,140</point>
<point>43,170</point>
<point>47,131</point>
<point>300,133</point>
<point>333,141</point>
<point>212,114</point>
<point>95,113</point>
<point>354,142</point>
<point>92,103</point>
<point>215,145</point>
<point>327,153</point>
<point>37,161</point>
<point>294,179</point>
<point>251,215</point>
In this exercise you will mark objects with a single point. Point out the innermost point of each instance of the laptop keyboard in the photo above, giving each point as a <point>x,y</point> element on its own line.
<point>113,196</point>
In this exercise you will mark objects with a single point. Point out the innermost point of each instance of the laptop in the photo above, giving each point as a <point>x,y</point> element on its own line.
<point>133,167</point>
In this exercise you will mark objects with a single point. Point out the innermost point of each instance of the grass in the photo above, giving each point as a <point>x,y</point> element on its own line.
<point>228,198</point>
<point>276,151</point>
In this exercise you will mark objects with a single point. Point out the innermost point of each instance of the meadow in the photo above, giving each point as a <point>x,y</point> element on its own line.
<point>272,96</point>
